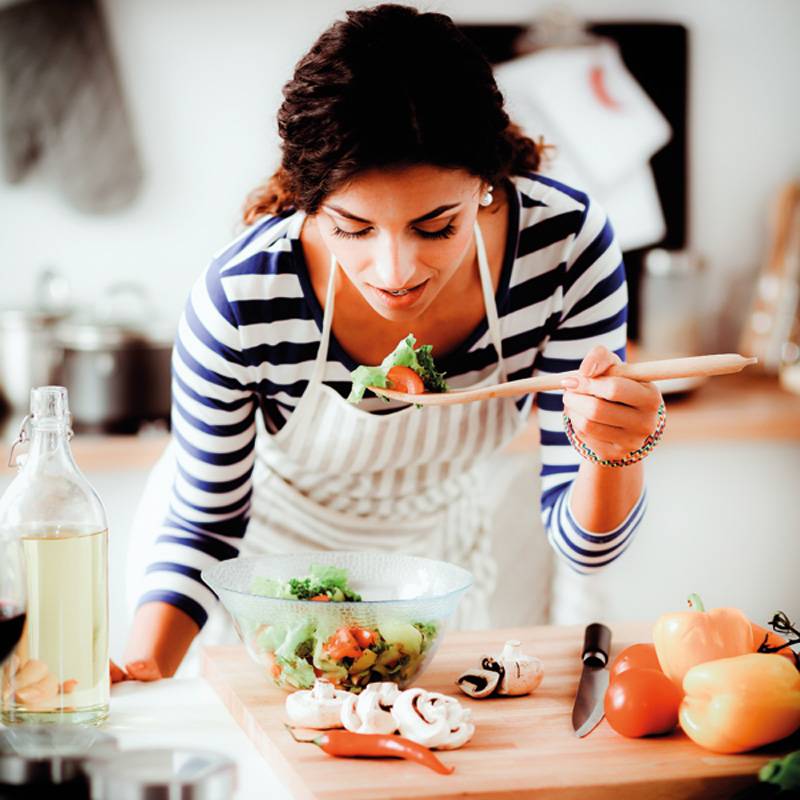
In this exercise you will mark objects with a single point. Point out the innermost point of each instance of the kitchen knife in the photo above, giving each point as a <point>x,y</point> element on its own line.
<point>588,708</point>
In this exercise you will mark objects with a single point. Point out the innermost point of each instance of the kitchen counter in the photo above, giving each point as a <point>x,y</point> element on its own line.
<point>188,713</point>
<point>741,406</point>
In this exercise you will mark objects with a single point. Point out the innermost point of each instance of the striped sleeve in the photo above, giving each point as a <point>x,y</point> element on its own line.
<point>213,431</point>
<point>594,312</point>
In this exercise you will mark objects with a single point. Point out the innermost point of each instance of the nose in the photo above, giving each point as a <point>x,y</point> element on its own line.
<point>394,262</point>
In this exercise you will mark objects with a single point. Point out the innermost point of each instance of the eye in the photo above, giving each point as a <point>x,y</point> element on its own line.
<point>442,233</point>
<point>337,231</point>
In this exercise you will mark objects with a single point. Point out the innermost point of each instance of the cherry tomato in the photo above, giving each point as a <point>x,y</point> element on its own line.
<point>342,645</point>
<point>642,702</point>
<point>404,379</point>
<point>363,636</point>
<point>772,640</point>
<point>640,656</point>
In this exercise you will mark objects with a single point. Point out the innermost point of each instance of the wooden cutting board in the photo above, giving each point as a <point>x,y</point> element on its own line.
<point>523,747</point>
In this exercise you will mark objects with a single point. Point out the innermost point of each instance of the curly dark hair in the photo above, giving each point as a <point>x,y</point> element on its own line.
<point>389,86</point>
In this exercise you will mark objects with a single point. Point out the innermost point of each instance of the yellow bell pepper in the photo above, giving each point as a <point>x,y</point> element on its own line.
<point>687,638</point>
<point>740,703</point>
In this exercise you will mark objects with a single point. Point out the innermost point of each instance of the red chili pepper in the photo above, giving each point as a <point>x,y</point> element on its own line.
<point>347,744</point>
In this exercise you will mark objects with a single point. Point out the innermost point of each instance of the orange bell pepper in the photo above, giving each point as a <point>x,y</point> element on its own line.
<point>687,638</point>
<point>736,704</point>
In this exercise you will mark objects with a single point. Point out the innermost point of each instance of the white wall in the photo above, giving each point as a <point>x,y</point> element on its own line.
<point>203,82</point>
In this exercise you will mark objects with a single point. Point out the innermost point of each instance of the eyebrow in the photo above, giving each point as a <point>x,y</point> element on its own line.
<point>430,215</point>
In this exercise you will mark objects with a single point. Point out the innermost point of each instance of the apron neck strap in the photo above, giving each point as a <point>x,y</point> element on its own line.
<point>327,322</point>
<point>488,293</point>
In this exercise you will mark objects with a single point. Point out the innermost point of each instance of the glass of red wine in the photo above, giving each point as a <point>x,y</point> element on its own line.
<point>12,593</point>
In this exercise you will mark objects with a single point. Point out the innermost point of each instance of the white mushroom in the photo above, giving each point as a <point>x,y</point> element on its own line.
<point>479,683</point>
<point>318,707</point>
<point>521,674</point>
<point>371,711</point>
<point>433,719</point>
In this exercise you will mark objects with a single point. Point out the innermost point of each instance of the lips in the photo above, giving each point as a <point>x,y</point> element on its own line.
<point>399,298</point>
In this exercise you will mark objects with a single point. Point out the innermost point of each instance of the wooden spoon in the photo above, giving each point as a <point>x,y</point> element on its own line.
<point>690,367</point>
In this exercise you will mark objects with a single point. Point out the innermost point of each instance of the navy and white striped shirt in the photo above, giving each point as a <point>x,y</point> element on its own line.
<point>251,331</point>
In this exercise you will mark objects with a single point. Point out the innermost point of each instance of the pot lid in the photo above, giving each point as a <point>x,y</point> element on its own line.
<point>87,333</point>
<point>49,754</point>
<point>163,774</point>
<point>124,316</point>
<point>28,318</point>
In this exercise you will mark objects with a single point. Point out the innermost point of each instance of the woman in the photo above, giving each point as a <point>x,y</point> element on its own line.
<point>406,202</point>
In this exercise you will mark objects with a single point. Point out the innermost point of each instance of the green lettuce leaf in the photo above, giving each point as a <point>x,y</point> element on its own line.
<point>298,673</point>
<point>271,639</point>
<point>321,579</point>
<point>300,633</point>
<point>269,587</point>
<point>363,377</point>
<point>403,355</point>
<point>431,377</point>
<point>328,576</point>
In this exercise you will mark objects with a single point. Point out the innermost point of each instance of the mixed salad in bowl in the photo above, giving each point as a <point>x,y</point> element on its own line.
<point>348,655</point>
<point>301,617</point>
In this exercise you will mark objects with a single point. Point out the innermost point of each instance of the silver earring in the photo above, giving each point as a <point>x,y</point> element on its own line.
<point>487,197</point>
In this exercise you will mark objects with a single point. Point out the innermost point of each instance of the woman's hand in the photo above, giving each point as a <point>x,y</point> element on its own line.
<point>144,670</point>
<point>34,686</point>
<point>611,415</point>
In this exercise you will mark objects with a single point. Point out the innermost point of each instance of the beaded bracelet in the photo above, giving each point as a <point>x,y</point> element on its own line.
<point>631,458</point>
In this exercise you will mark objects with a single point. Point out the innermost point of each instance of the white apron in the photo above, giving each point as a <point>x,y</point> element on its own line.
<point>336,477</point>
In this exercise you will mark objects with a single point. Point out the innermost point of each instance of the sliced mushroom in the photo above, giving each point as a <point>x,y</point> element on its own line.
<point>487,662</point>
<point>433,719</point>
<point>371,711</point>
<point>510,673</point>
<point>479,683</point>
<point>319,707</point>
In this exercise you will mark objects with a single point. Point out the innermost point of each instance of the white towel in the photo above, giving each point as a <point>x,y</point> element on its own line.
<point>605,129</point>
<point>593,105</point>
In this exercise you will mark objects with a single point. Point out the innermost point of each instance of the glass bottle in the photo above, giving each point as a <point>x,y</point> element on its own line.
<point>59,671</point>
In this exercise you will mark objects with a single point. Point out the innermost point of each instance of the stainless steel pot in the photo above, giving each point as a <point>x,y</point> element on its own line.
<point>27,356</point>
<point>116,366</point>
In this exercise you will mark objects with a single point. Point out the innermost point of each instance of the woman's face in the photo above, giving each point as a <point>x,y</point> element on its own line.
<point>401,234</point>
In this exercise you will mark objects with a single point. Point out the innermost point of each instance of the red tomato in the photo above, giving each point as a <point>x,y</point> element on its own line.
<point>640,656</point>
<point>404,379</point>
<point>342,645</point>
<point>364,637</point>
<point>642,702</point>
<point>772,640</point>
<point>321,598</point>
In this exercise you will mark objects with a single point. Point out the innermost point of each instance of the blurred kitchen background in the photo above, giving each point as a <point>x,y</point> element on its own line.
<point>131,133</point>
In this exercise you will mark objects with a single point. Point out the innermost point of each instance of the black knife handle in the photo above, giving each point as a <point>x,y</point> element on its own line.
<point>596,645</point>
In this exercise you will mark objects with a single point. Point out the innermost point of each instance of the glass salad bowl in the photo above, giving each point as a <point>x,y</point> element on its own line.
<point>391,634</point>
